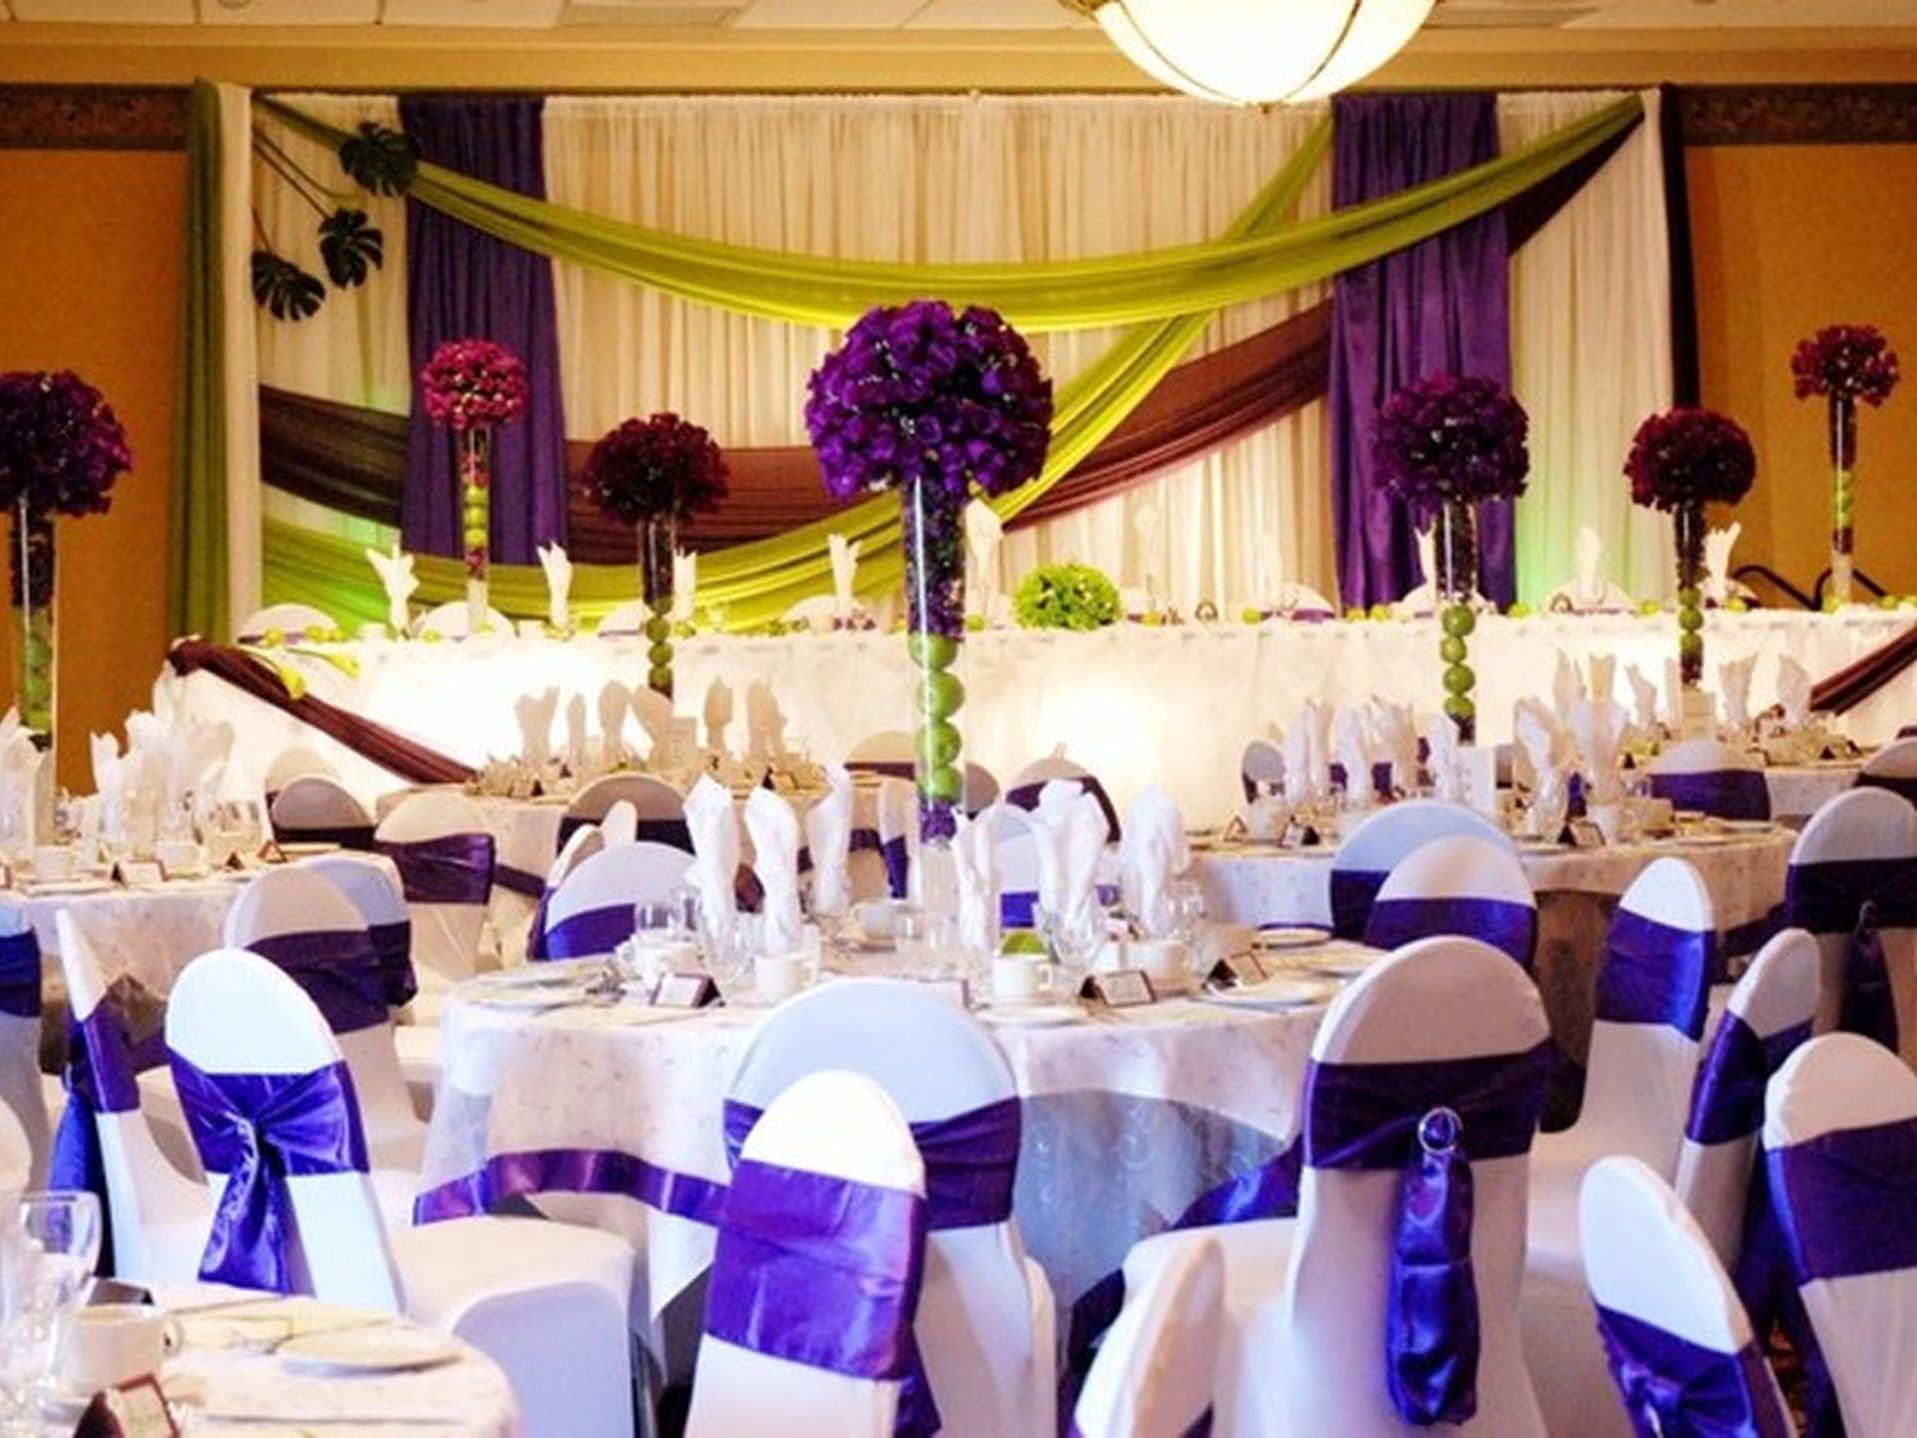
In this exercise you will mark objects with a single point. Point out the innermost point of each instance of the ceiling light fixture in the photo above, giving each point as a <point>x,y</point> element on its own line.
<point>1257,52</point>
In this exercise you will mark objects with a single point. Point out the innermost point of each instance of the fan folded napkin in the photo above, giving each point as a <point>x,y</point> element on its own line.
<point>844,556</point>
<point>535,715</point>
<point>615,703</point>
<point>576,733</point>
<point>775,859</point>
<point>552,559</point>
<point>765,722</point>
<point>1351,747</point>
<point>1718,544</point>
<point>1547,751</point>
<point>1794,692</point>
<point>1601,672</point>
<point>1394,739</point>
<point>714,825</point>
<point>685,585</point>
<point>654,713</point>
<point>718,712</point>
<point>395,571</point>
<point>1441,757</point>
<point>1308,755</point>
<point>1643,699</point>
<point>1734,684</point>
<point>1567,688</point>
<point>1151,857</point>
<point>1599,731</point>
<point>1068,835</point>
<point>828,838</point>
<point>975,875</point>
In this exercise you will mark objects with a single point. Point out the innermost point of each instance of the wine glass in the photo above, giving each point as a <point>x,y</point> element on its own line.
<point>56,1243</point>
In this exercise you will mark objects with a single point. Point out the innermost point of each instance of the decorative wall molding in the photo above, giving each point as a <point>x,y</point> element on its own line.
<point>92,117</point>
<point>1798,114</point>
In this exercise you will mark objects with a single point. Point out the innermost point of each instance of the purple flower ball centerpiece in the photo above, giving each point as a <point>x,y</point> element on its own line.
<point>1679,462</point>
<point>652,473</point>
<point>1844,364</point>
<point>940,405</point>
<point>61,450</point>
<point>472,386</point>
<point>1445,444</point>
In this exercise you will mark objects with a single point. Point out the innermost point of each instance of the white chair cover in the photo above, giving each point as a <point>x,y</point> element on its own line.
<point>1462,885</point>
<point>292,623</point>
<point>317,808</point>
<point>546,1301</point>
<point>293,763</point>
<point>451,621</point>
<point>16,1160</point>
<point>591,911</point>
<point>1712,777</point>
<point>581,846</point>
<point>660,809</point>
<point>1893,767</point>
<point>20,1087</point>
<point>1382,840</point>
<point>1024,789</point>
<point>985,1323</point>
<point>1261,769</point>
<point>1684,1358</point>
<point>791,1377</point>
<point>1840,1138</point>
<point>445,933</point>
<point>1153,1374</point>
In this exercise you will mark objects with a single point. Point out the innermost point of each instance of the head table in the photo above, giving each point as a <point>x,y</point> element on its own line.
<point>1136,704</point>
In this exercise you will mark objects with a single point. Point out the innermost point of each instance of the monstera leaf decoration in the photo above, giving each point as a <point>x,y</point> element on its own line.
<point>351,248</point>
<point>380,159</point>
<point>286,290</point>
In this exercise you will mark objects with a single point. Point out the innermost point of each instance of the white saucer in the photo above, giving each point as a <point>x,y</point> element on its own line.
<point>1034,1016</point>
<point>532,997</point>
<point>385,1349</point>
<point>1291,936</point>
<point>1284,992</point>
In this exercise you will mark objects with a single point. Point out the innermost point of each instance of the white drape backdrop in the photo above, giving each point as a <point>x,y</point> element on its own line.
<point>997,178</point>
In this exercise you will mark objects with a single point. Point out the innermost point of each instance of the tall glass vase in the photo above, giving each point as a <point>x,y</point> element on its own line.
<point>935,619</point>
<point>1843,494</point>
<point>1457,562</point>
<point>656,543</point>
<point>475,458</point>
<point>33,626</point>
<point>1689,531</point>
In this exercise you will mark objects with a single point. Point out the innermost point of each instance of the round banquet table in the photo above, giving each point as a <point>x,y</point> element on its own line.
<point>1799,790</point>
<point>1144,1109</point>
<point>148,933</point>
<point>226,1377</point>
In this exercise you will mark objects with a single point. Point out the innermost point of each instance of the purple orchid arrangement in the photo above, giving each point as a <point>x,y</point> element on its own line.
<point>919,393</point>
<point>1451,438</point>
<point>1847,362</point>
<point>1690,456</point>
<point>662,467</point>
<point>474,383</point>
<point>61,445</point>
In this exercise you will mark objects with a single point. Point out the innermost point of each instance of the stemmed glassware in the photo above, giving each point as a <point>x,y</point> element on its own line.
<point>47,1257</point>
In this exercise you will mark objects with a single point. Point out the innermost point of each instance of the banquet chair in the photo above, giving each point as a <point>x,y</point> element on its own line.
<point>1462,885</point>
<point>1384,838</point>
<point>291,623</point>
<point>1893,767</point>
<point>295,762</point>
<point>1682,1354</point>
<point>1653,988</point>
<point>21,1086</point>
<point>1443,1023</point>
<point>583,844</point>
<point>302,923</point>
<point>445,857</point>
<point>451,621</point>
<point>1153,1374</point>
<point>318,809</point>
<point>1023,791</point>
<point>985,1318</point>
<point>545,1301</point>
<point>890,751</point>
<point>1853,883</point>
<point>16,1160</point>
<point>659,808</point>
<point>156,1212</point>
<point>1840,1141</point>
<point>1718,779</point>
<point>591,912</point>
<point>1261,769</point>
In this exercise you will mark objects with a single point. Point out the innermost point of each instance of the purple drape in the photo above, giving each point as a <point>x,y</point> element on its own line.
<point>463,284</point>
<point>1439,306</point>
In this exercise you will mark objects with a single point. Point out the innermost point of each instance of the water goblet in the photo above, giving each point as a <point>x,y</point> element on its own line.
<point>60,1231</point>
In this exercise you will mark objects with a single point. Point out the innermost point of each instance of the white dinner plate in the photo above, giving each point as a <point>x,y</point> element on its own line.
<point>546,974</point>
<point>536,997</point>
<point>1034,1016</point>
<point>386,1349</point>
<point>1746,826</point>
<point>1284,992</point>
<point>1291,936</point>
<point>295,849</point>
<point>67,886</point>
<point>1706,841</point>
<point>1341,962</point>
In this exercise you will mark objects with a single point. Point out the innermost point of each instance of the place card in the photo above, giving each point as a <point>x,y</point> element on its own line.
<point>132,1410</point>
<point>139,873</point>
<point>1119,989</point>
<point>1238,970</point>
<point>685,991</point>
<point>1583,834</point>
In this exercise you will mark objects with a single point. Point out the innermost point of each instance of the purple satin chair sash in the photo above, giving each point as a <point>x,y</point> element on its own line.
<point>347,836</point>
<point>339,969</point>
<point>1353,891</point>
<point>888,768</point>
<point>518,881</point>
<point>896,855</point>
<point>101,1077</point>
<point>602,1171</point>
<point>1869,1006</point>
<point>393,946</point>
<point>259,1130</point>
<point>20,974</point>
<point>672,832</point>
<point>971,1161</point>
<point>1728,1101</point>
<point>588,933</point>
<point>452,869</point>
<point>1025,796</point>
<point>825,1272</point>
<point>1845,1200</point>
<point>1655,974</point>
<point>1509,927</point>
<point>1825,898</point>
<point>1672,1386</point>
<point>1904,786</point>
<point>1725,793</point>
<point>536,935</point>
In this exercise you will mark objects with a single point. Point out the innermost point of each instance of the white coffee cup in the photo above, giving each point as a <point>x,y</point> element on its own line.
<point>113,1343</point>
<point>52,863</point>
<point>1166,962</point>
<point>1015,980</point>
<point>778,976</point>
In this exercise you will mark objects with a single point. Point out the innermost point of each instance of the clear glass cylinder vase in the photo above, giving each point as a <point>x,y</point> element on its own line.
<point>935,630</point>
<point>1457,584</point>
<point>1688,530</point>
<point>1843,495</point>
<point>36,669</point>
<point>657,540</point>
<point>475,461</point>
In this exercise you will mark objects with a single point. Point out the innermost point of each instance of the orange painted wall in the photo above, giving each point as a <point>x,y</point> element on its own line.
<point>90,280</point>
<point>1788,239</point>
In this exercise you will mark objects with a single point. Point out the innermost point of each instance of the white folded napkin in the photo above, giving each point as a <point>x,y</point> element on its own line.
<point>1794,691</point>
<point>620,827</point>
<point>1547,751</point>
<point>1394,739</point>
<point>1601,673</point>
<point>1297,752</point>
<point>1643,699</point>
<point>898,810</point>
<point>1316,721</point>
<point>1674,695</point>
<point>844,556</point>
<point>535,715</point>
<point>395,571</point>
<point>765,722</point>
<point>654,713</point>
<point>198,762</point>
<point>775,859</point>
<point>20,763</point>
<point>1734,687</point>
<point>552,559</point>
<point>615,703</point>
<point>1599,732</point>
<point>1567,688</point>
<point>718,712</point>
<point>1588,553</point>
<point>1441,758</point>
<point>1068,835</point>
<point>828,837</point>
<point>1151,857</point>
<point>685,585</point>
<point>983,532</point>
<point>975,875</point>
<point>1718,544</point>
<point>576,733</point>
<point>109,770</point>
<point>1351,748</point>
<point>714,825</point>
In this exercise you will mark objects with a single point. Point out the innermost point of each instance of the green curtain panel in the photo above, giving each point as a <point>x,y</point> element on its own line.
<point>197,581</point>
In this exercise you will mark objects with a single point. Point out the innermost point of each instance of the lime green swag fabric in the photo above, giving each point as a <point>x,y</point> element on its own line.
<point>197,582</point>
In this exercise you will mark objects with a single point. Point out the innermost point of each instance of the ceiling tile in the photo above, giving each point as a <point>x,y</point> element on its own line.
<point>108,12</point>
<point>479,13</point>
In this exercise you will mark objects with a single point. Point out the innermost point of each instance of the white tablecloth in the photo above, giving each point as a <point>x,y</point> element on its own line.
<point>1135,704</point>
<point>1800,790</point>
<point>148,933</point>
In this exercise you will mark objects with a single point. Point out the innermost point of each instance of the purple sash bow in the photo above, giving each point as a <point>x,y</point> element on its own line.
<point>825,1272</point>
<point>393,945</point>
<point>338,968</point>
<point>1728,1100</point>
<point>347,836</point>
<point>1509,927</point>
<point>20,974</point>
<point>1353,891</point>
<point>1672,1386</point>
<point>1655,974</point>
<point>1845,1199</point>
<point>452,869</point>
<point>259,1130</point>
<point>588,933</point>
<point>1025,796</point>
<point>1724,793</point>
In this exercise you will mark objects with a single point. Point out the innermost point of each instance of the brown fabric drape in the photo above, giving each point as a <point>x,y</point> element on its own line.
<point>1852,685</point>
